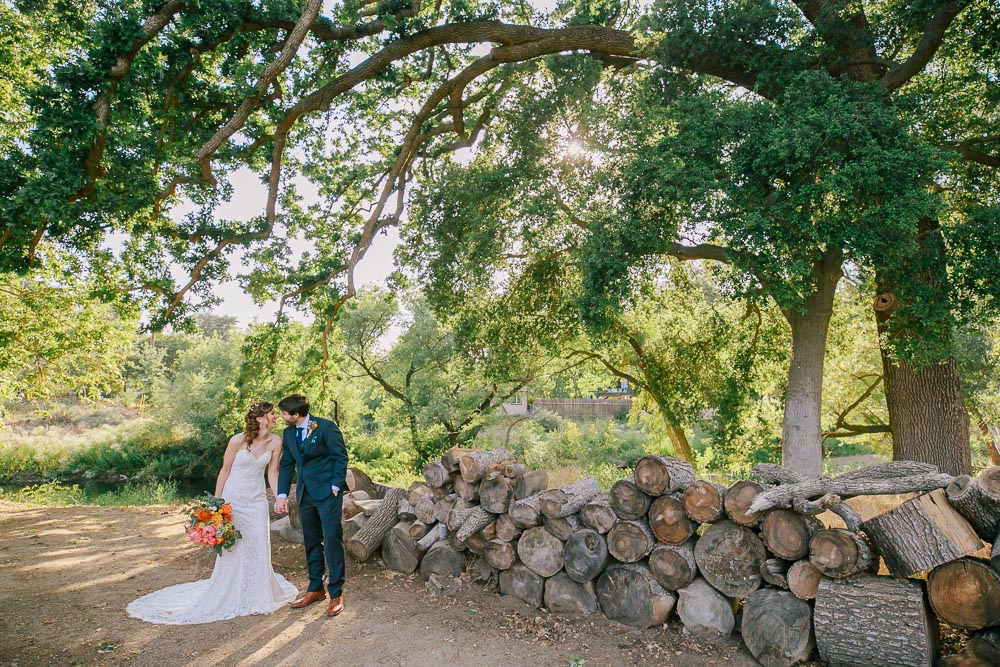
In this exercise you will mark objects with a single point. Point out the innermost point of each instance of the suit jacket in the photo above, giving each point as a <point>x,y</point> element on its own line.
<point>321,460</point>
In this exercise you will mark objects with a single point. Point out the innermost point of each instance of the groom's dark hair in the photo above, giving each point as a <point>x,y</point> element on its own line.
<point>296,404</point>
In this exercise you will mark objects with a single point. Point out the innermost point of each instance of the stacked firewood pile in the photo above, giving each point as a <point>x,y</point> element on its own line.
<point>661,541</point>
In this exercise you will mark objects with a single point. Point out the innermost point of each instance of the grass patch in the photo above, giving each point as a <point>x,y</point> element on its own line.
<point>56,494</point>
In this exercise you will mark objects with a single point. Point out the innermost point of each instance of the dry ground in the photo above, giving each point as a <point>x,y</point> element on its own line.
<point>66,575</point>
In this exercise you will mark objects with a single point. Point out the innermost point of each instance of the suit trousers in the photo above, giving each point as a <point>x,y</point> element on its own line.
<point>324,540</point>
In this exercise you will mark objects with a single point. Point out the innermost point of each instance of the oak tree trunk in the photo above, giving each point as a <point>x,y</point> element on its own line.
<point>801,436</point>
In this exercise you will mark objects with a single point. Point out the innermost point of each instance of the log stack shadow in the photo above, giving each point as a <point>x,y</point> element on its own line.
<point>753,556</point>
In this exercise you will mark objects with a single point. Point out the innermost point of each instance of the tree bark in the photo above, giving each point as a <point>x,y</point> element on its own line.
<point>801,435</point>
<point>657,475</point>
<point>922,533</point>
<point>562,527</point>
<point>568,499</point>
<point>875,608</point>
<point>369,538</point>
<point>927,416</point>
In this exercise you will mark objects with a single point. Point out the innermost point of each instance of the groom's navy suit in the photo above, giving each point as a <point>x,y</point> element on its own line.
<point>321,463</point>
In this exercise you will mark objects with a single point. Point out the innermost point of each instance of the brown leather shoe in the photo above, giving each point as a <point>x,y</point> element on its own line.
<point>308,599</point>
<point>336,606</point>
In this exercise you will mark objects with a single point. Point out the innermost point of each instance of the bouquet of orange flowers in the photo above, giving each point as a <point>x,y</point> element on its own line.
<point>211,524</point>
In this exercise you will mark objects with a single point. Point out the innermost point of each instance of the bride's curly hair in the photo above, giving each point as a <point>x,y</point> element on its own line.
<point>251,429</point>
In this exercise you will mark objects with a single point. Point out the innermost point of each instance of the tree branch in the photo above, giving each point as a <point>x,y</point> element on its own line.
<point>930,41</point>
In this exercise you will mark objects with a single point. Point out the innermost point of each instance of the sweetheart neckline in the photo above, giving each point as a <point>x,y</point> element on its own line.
<point>255,458</point>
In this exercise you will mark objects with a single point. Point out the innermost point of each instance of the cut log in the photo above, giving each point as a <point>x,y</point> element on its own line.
<point>369,507</point>
<point>859,621</point>
<point>922,533</point>
<point>669,522</point>
<point>777,628</point>
<point>399,550</point>
<point>785,534</point>
<point>628,501</point>
<point>563,595</point>
<point>418,529</point>
<point>705,611</point>
<point>530,483</point>
<point>585,555</point>
<point>862,482</point>
<point>452,457</point>
<point>704,501</point>
<point>499,554</point>
<point>598,515</point>
<point>562,527</point>
<point>995,554</point>
<point>967,495</point>
<point>629,594</point>
<point>657,475</point>
<point>775,572</point>
<point>540,551</point>
<point>475,543</point>
<point>738,499</point>
<point>357,480</point>
<point>468,491</point>
<point>417,491</point>
<point>526,512</point>
<point>729,556</point>
<point>475,520</point>
<point>772,474</point>
<point>568,499</point>
<point>496,493</point>
<point>673,565</point>
<point>350,507</point>
<point>630,541</point>
<point>506,530</point>
<point>438,532</point>
<point>520,582</point>
<point>424,510</point>
<point>489,531</point>
<point>474,523</point>
<point>443,560</point>
<point>803,579</point>
<point>367,540</point>
<point>839,553</point>
<point>484,573</point>
<point>352,525</point>
<point>406,511</point>
<point>436,474</point>
<point>444,506</point>
<point>965,593</point>
<point>514,470</point>
<point>473,464</point>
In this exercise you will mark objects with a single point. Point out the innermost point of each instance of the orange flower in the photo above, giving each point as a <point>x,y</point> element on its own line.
<point>227,508</point>
<point>217,520</point>
<point>203,515</point>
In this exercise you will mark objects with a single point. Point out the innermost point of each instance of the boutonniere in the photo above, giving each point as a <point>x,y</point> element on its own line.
<point>311,429</point>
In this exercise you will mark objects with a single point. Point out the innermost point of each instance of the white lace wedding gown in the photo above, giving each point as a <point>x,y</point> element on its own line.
<point>242,582</point>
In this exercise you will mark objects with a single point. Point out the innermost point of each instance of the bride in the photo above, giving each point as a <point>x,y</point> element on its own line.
<point>242,582</point>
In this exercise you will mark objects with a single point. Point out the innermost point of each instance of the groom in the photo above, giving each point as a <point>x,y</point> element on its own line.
<point>315,447</point>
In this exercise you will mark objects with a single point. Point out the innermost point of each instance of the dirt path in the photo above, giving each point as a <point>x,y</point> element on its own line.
<point>66,575</point>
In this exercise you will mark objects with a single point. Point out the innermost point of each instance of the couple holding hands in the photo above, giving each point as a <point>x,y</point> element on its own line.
<point>243,581</point>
